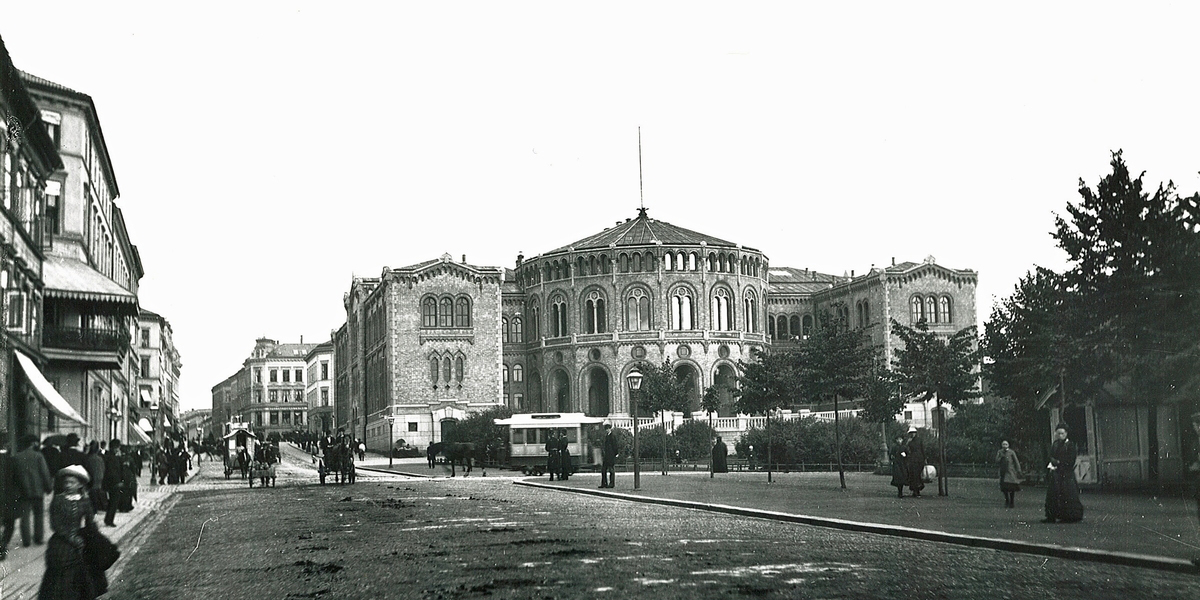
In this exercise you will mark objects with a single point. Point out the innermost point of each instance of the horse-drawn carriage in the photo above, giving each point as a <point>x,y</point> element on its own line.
<point>337,460</point>
<point>529,433</point>
<point>239,447</point>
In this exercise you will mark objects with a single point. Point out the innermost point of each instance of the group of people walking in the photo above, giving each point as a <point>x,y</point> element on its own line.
<point>908,463</point>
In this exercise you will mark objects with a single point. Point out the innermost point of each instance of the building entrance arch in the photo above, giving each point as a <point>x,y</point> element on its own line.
<point>686,374</point>
<point>599,393</point>
<point>725,381</point>
<point>560,388</point>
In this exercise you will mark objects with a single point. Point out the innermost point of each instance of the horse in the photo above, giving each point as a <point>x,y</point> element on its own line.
<point>456,453</point>
<point>242,461</point>
<point>339,460</point>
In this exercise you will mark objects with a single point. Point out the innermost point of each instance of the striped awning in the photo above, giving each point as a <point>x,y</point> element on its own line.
<point>76,280</point>
<point>46,392</point>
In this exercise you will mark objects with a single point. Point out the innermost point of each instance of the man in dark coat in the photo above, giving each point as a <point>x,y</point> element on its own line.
<point>899,472</point>
<point>1062,491</point>
<point>720,457</point>
<point>914,461</point>
<point>93,461</point>
<point>8,495</point>
<point>553,462</point>
<point>564,457</point>
<point>608,458</point>
<point>71,454</point>
<point>34,483</point>
<point>115,483</point>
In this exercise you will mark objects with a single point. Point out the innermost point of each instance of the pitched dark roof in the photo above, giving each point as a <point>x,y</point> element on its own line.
<point>291,350</point>
<point>790,280</point>
<point>643,231</point>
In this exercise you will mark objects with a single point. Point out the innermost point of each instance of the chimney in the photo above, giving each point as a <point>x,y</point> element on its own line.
<point>302,338</point>
<point>852,272</point>
<point>893,261</point>
<point>464,259</point>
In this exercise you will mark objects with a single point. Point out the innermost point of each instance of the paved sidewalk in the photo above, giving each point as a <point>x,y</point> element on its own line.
<point>1159,527</point>
<point>21,573</point>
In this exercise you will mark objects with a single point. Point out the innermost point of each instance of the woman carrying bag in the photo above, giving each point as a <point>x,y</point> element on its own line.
<point>69,574</point>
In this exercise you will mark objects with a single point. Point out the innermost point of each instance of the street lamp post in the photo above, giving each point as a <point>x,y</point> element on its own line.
<point>635,383</point>
<point>391,421</point>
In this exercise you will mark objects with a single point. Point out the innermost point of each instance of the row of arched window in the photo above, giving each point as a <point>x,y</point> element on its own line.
<point>447,368</point>
<point>638,312</point>
<point>518,373</point>
<point>793,327</point>
<point>637,262</point>
<point>512,330</point>
<point>931,309</point>
<point>446,311</point>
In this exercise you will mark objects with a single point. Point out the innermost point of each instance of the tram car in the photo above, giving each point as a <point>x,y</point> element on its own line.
<point>528,434</point>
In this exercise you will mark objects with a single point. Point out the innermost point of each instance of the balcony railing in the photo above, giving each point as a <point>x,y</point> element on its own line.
<point>77,338</point>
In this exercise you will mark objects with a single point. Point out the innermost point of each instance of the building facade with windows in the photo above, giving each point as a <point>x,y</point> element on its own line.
<point>268,392</point>
<point>570,324</point>
<point>29,158</point>
<point>91,270</point>
<point>319,388</point>
<point>159,367</point>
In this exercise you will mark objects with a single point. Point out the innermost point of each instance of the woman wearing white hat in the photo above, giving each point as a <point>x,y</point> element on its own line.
<point>66,575</point>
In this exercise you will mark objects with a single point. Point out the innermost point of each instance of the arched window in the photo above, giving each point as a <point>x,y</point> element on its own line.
<point>721,263</point>
<point>558,315</point>
<point>458,369</point>
<point>781,330</point>
<point>446,370</point>
<point>722,310</point>
<point>504,374</point>
<point>637,263</point>
<point>931,309</point>
<point>710,261</point>
<point>434,365</point>
<point>535,322</point>
<point>462,312</point>
<point>947,316</point>
<point>692,261</point>
<point>667,260</point>
<point>446,313</point>
<point>505,333</point>
<point>623,263</point>
<point>808,326</point>
<point>680,262</point>
<point>429,313</point>
<point>866,313</point>
<point>518,373</point>
<point>649,261</point>
<point>604,266</point>
<point>549,275</point>
<point>682,312</point>
<point>916,310</point>
<point>771,327</point>
<point>517,334</point>
<point>750,311</point>
<point>794,326</point>
<point>637,310</point>
<point>595,317</point>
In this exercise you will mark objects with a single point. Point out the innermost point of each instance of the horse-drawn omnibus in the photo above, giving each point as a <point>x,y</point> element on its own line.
<point>239,449</point>
<point>528,434</point>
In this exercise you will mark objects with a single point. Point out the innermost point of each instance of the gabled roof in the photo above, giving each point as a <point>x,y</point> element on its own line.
<point>291,350</point>
<point>643,231</point>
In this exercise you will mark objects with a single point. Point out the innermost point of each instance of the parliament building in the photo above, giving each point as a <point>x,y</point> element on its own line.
<point>426,345</point>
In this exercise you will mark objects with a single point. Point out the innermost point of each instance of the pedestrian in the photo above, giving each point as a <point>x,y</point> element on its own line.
<point>899,473</point>
<point>1062,491</point>
<point>431,455</point>
<point>71,454</point>
<point>8,495</point>
<point>93,461</point>
<point>608,458</point>
<point>129,492</point>
<point>914,461</point>
<point>752,462</point>
<point>362,451</point>
<point>720,458</point>
<point>34,483</point>
<point>553,464</point>
<point>116,484</point>
<point>564,457</point>
<point>67,576</point>
<point>1010,474</point>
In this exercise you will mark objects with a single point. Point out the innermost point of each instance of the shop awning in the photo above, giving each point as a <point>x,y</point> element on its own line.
<point>73,279</point>
<point>147,400</point>
<point>49,396</point>
<point>145,426</point>
<point>137,436</point>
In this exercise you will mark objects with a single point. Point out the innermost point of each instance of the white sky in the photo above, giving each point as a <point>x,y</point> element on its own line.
<point>267,153</point>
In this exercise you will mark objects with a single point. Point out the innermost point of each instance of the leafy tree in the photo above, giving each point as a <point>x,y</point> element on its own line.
<point>662,392</point>
<point>765,386</point>
<point>1134,279</point>
<point>931,366</point>
<point>833,363</point>
<point>694,439</point>
<point>481,429</point>
<point>710,402</point>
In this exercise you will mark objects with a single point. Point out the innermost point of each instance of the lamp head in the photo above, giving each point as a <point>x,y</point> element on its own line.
<point>635,379</point>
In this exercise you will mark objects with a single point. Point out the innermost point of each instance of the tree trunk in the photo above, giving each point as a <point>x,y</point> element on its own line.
<point>943,483</point>
<point>837,442</point>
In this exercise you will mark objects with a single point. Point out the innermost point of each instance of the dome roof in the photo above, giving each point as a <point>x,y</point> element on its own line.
<point>643,231</point>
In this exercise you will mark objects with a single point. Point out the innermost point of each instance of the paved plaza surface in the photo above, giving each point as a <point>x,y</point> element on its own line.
<point>426,535</point>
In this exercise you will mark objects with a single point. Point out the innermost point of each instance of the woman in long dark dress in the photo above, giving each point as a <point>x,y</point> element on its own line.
<point>67,576</point>
<point>720,457</point>
<point>914,461</point>
<point>899,474</point>
<point>1062,493</point>
<point>1010,474</point>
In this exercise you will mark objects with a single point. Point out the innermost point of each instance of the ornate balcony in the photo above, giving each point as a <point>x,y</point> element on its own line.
<point>102,348</point>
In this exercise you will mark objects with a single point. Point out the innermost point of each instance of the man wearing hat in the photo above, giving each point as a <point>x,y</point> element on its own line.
<point>33,481</point>
<point>71,454</point>
<point>608,458</point>
<point>114,481</point>
<point>914,461</point>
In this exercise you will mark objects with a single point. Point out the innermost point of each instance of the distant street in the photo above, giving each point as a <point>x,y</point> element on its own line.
<point>393,537</point>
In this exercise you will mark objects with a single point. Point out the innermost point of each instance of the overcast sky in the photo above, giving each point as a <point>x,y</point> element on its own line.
<point>266,154</point>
